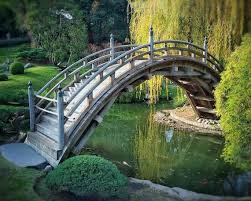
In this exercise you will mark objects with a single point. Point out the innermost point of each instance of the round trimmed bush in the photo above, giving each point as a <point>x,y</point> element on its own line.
<point>17,68</point>
<point>3,77</point>
<point>87,175</point>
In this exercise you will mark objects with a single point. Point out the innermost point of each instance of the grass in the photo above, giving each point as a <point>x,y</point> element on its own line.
<point>17,183</point>
<point>15,89</point>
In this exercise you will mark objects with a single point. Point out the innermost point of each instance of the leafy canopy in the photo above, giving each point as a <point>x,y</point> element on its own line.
<point>64,40</point>
<point>233,103</point>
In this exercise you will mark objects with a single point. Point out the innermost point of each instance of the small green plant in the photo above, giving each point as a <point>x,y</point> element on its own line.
<point>87,175</point>
<point>3,77</point>
<point>17,68</point>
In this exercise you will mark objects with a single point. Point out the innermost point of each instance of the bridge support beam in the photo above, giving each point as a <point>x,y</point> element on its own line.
<point>31,106</point>
<point>98,119</point>
<point>60,112</point>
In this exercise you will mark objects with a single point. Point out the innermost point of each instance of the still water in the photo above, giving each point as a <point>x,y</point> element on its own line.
<point>145,149</point>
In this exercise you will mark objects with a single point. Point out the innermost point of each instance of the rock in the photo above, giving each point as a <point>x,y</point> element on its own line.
<point>48,168</point>
<point>238,185</point>
<point>28,65</point>
<point>22,155</point>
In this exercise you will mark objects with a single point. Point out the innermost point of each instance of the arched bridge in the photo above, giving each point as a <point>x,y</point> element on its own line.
<point>68,108</point>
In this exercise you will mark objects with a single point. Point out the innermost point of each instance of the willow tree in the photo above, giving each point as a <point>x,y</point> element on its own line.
<point>233,103</point>
<point>222,21</point>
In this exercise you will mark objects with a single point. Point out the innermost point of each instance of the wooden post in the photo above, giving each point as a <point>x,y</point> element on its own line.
<point>60,112</point>
<point>151,42</point>
<point>31,106</point>
<point>205,46</point>
<point>77,76</point>
<point>189,40</point>
<point>112,52</point>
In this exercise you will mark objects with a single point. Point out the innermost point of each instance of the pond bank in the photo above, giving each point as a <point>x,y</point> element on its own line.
<point>185,119</point>
<point>138,190</point>
<point>156,192</point>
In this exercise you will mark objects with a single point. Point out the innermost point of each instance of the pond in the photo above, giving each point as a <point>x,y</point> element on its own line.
<point>145,149</point>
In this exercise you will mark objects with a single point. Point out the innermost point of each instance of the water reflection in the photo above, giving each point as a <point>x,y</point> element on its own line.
<point>145,149</point>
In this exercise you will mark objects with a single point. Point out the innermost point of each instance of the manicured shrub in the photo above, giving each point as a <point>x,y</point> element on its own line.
<point>87,175</point>
<point>3,77</point>
<point>17,68</point>
<point>33,54</point>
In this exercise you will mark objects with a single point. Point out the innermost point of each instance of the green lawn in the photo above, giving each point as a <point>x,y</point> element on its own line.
<point>17,183</point>
<point>15,89</point>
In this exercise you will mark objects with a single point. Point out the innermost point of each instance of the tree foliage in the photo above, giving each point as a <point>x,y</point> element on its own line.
<point>103,17</point>
<point>222,21</point>
<point>7,21</point>
<point>233,103</point>
<point>63,39</point>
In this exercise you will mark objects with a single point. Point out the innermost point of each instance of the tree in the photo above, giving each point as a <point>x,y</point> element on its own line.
<point>63,39</point>
<point>104,17</point>
<point>233,103</point>
<point>7,21</point>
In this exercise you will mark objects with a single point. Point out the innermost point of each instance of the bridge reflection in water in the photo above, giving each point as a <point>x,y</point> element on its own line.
<point>132,140</point>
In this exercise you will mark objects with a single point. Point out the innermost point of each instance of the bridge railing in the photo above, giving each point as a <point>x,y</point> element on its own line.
<point>144,52</point>
<point>46,96</point>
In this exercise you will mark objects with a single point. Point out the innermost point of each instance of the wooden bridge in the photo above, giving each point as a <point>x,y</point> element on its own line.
<point>64,113</point>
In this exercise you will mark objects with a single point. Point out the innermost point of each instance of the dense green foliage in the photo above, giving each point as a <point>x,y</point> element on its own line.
<point>9,118</point>
<point>86,175</point>
<point>63,39</point>
<point>17,68</point>
<point>3,77</point>
<point>15,89</point>
<point>32,54</point>
<point>233,103</point>
<point>7,21</point>
<point>104,17</point>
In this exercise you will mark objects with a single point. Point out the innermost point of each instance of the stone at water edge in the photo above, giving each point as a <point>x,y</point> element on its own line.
<point>22,155</point>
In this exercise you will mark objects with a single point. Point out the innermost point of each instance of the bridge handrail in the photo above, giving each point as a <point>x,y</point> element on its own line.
<point>114,61</point>
<point>189,44</point>
<point>77,62</point>
<point>123,54</point>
